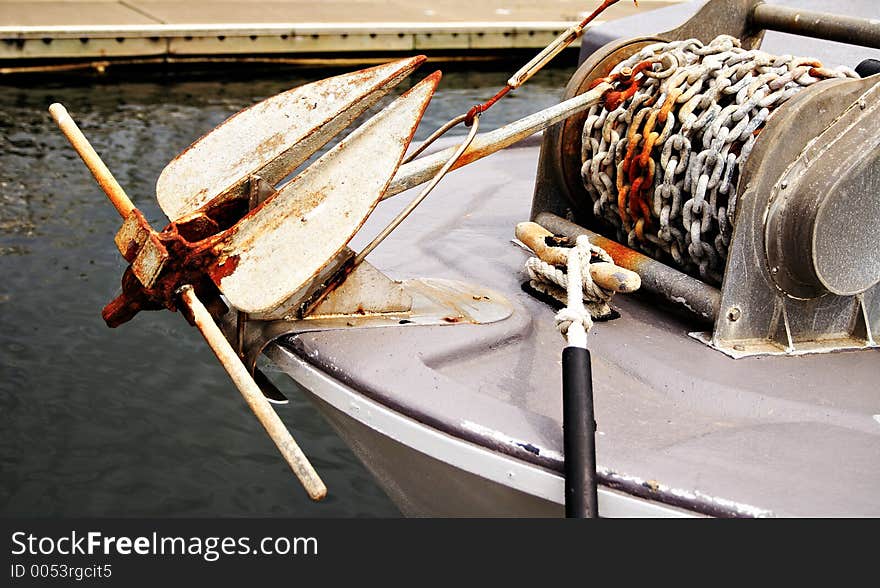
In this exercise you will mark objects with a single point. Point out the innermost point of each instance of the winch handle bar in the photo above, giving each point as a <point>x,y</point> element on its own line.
<point>818,25</point>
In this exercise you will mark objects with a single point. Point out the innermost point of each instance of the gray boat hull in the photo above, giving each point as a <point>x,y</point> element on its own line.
<point>428,473</point>
<point>465,420</point>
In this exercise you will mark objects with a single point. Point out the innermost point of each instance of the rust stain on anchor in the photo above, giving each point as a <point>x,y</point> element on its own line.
<point>224,268</point>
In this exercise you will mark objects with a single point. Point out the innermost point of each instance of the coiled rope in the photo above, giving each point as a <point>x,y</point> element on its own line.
<point>584,300</point>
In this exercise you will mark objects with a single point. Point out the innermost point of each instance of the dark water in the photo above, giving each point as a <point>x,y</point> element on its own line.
<point>141,420</point>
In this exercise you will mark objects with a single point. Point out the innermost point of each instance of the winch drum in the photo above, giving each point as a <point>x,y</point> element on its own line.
<point>803,262</point>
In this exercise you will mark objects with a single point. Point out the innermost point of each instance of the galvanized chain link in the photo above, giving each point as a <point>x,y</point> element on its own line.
<point>662,167</point>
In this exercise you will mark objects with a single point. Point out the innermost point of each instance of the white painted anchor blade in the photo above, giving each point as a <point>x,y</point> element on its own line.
<point>281,246</point>
<point>271,138</point>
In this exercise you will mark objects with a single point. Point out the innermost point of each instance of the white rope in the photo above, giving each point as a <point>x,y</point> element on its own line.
<point>573,287</point>
<point>574,321</point>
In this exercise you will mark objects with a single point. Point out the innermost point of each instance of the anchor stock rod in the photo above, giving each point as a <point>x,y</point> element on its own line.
<point>203,320</point>
<point>92,160</point>
<point>254,397</point>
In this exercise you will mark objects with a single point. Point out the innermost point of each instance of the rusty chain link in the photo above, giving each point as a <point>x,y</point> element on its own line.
<point>662,165</point>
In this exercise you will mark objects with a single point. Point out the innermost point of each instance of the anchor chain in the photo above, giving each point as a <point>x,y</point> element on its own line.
<point>661,161</point>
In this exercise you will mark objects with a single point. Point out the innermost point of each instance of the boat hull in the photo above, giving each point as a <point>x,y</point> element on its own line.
<point>429,473</point>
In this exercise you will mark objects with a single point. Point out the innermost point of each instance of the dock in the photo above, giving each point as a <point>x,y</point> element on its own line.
<point>37,31</point>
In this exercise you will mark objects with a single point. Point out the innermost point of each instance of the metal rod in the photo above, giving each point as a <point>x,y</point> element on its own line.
<point>538,61</point>
<point>675,286</point>
<point>92,160</point>
<point>562,41</point>
<point>434,136</point>
<point>423,169</point>
<point>456,155</point>
<point>252,394</point>
<point>818,25</point>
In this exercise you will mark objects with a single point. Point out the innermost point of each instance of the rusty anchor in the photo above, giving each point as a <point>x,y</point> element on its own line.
<point>239,238</point>
<point>231,229</point>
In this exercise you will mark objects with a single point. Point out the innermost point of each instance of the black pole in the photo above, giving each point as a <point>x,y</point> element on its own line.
<point>579,434</point>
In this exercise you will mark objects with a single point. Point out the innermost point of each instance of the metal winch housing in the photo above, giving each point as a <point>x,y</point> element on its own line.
<point>780,242</point>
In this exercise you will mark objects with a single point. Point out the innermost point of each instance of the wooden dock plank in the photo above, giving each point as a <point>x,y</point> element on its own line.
<point>430,11</point>
<point>61,13</point>
<point>97,29</point>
